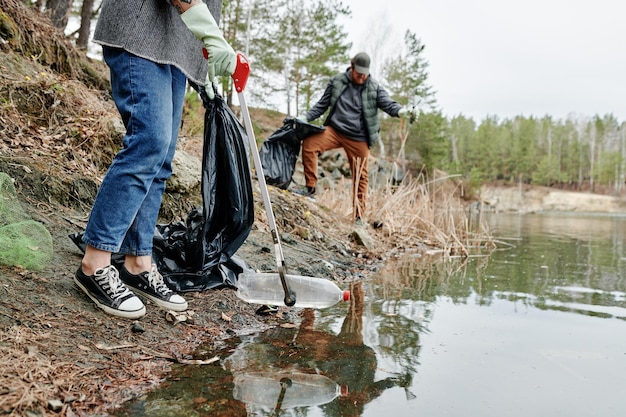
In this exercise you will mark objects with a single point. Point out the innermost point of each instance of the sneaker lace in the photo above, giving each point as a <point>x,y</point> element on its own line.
<point>156,281</point>
<point>109,279</point>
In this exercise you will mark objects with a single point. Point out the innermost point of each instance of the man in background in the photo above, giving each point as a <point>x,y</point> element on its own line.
<point>353,98</point>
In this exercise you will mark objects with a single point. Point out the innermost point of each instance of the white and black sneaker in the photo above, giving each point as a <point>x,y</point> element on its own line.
<point>150,285</point>
<point>109,293</point>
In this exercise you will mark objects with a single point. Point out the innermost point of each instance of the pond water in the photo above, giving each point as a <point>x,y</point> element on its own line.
<point>538,328</point>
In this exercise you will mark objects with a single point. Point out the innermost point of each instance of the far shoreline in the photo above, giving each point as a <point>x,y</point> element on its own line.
<point>531,199</point>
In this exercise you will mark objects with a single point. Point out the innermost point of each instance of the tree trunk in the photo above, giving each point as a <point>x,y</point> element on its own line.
<point>592,157</point>
<point>622,176</point>
<point>59,11</point>
<point>85,24</point>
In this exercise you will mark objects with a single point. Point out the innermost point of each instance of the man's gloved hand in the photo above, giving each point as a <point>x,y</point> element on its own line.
<point>222,59</point>
<point>406,113</point>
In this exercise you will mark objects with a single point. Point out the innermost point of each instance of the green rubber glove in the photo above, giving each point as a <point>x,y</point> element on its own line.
<point>222,58</point>
<point>406,113</point>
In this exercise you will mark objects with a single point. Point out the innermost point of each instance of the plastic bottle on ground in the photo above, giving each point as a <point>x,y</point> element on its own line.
<point>266,288</point>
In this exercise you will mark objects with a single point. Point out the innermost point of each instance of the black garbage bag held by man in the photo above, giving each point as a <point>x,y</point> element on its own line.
<point>280,151</point>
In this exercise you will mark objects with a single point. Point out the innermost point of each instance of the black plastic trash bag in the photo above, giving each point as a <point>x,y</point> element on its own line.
<point>199,254</point>
<point>280,151</point>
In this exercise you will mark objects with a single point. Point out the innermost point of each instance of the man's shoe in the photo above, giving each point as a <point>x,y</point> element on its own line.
<point>150,285</point>
<point>359,222</point>
<point>109,293</point>
<point>305,191</point>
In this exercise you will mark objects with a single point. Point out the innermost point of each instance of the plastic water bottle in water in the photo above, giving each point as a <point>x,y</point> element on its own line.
<point>267,288</point>
<point>282,390</point>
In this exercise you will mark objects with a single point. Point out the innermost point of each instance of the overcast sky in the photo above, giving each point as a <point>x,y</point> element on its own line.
<point>508,58</point>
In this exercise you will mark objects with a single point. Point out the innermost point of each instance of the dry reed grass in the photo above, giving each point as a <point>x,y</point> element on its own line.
<point>417,211</point>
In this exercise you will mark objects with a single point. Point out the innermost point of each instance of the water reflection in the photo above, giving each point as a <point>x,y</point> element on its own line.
<point>315,348</point>
<point>320,367</point>
<point>535,328</point>
<point>564,262</point>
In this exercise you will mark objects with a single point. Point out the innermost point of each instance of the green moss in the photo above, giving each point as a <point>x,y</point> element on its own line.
<point>8,27</point>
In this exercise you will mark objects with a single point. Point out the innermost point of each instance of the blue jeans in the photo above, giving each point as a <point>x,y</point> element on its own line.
<point>149,97</point>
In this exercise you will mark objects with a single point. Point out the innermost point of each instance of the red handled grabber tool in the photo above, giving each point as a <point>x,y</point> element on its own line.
<point>240,78</point>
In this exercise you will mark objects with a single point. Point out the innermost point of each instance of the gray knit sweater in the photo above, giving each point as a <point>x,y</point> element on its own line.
<point>152,29</point>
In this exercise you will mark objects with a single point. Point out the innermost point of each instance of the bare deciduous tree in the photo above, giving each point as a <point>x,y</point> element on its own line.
<point>59,11</point>
<point>85,24</point>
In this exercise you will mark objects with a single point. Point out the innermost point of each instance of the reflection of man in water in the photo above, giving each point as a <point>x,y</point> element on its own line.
<point>350,362</point>
<point>344,358</point>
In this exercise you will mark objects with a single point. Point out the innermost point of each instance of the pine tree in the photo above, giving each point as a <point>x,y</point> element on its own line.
<point>293,47</point>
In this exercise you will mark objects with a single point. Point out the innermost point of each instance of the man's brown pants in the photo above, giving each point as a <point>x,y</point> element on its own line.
<point>357,153</point>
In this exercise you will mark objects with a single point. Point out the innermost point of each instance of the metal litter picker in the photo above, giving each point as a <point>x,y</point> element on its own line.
<point>316,289</point>
<point>240,78</point>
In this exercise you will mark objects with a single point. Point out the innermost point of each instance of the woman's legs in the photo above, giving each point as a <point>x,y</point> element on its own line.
<point>126,209</point>
<point>149,97</point>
